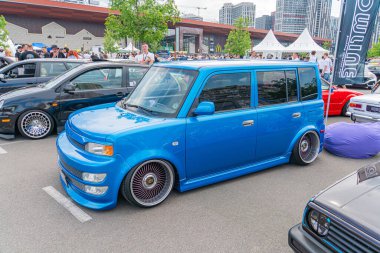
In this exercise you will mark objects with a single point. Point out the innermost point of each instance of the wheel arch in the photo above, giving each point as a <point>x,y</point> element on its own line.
<point>300,134</point>
<point>36,109</point>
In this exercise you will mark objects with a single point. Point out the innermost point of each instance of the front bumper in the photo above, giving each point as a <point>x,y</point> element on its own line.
<point>363,118</point>
<point>301,242</point>
<point>8,126</point>
<point>72,161</point>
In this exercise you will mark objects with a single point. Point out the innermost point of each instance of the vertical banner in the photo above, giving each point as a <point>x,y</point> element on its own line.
<point>355,32</point>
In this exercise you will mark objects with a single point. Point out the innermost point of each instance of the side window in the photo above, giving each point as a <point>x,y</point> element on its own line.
<point>228,91</point>
<point>276,87</point>
<point>22,71</point>
<point>71,65</point>
<point>106,78</point>
<point>52,69</point>
<point>135,75</point>
<point>308,83</point>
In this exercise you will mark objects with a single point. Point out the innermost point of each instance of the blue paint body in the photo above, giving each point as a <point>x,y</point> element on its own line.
<point>211,148</point>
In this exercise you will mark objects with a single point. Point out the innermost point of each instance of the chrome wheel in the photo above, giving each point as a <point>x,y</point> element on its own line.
<point>35,124</point>
<point>151,183</point>
<point>309,147</point>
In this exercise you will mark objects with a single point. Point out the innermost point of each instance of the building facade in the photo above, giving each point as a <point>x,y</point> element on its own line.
<point>290,16</point>
<point>264,22</point>
<point>319,18</point>
<point>229,13</point>
<point>102,3</point>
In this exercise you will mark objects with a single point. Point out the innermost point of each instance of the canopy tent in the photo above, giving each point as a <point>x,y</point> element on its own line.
<point>129,48</point>
<point>305,43</point>
<point>270,45</point>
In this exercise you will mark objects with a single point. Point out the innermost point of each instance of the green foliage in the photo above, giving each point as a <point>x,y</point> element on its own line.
<point>142,20</point>
<point>374,51</point>
<point>239,39</point>
<point>110,44</point>
<point>3,32</point>
<point>326,45</point>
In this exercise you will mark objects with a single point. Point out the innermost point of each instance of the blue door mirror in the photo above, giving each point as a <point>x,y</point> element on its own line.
<point>205,108</point>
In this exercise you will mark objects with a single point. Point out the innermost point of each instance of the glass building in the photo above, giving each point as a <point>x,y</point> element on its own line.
<point>229,13</point>
<point>319,18</point>
<point>290,16</point>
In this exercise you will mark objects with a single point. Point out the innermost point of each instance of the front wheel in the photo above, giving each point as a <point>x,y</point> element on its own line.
<point>148,184</point>
<point>35,124</point>
<point>307,148</point>
<point>345,108</point>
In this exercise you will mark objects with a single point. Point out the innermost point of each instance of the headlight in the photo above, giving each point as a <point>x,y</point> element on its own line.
<point>99,149</point>
<point>1,104</point>
<point>95,178</point>
<point>319,222</point>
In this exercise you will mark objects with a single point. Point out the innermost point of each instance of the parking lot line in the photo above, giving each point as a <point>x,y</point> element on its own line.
<point>67,204</point>
<point>9,143</point>
<point>2,151</point>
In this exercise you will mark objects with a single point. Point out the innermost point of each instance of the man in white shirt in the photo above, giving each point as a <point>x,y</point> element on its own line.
<point>313,57</point>
<point>326,67</point>
<point>145,57</point>
<point>295,57</point>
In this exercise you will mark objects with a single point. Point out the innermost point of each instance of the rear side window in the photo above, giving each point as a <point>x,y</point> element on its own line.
<point>276,87</point>
<point>52,69</point>
<point>228,91</point>
<point>71,65</point>
<point>308,84</point>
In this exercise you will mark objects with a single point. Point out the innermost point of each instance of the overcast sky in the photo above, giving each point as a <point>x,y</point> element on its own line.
<point>212,13</point>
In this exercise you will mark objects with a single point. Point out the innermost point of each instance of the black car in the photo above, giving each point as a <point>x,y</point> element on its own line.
<point>34,71</point>
<point>36,111</point>
<point>342,218</point>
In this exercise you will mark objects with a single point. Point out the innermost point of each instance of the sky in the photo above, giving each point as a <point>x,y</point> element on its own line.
<point>263,7</point>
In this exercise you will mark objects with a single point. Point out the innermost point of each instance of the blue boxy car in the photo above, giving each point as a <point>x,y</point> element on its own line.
<point>191,124</point>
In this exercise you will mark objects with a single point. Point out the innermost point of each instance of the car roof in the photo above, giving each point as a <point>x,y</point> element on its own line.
<point>53,60</point>
<point>222,64</point>
<point>99,64</point>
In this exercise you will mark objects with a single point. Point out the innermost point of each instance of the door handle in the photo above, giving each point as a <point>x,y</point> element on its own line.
<point>248,122</point>
<point>296,115</point>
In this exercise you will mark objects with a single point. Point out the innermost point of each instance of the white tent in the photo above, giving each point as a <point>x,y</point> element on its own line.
<point>270,45</point>
<point>305,44</point>
<point>130,48</point>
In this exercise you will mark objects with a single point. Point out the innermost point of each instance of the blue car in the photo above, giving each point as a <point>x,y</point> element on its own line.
<point>191,124</point>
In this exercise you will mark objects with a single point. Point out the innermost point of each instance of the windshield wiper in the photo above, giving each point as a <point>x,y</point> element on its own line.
<point>139,107</point>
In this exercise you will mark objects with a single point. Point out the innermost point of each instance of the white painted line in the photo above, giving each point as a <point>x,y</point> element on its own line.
<point>9,143</point>
<point>2,151</point>
<point>68,204</point>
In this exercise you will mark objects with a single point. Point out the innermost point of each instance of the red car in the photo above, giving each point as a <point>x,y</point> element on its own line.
<point>340,99</point>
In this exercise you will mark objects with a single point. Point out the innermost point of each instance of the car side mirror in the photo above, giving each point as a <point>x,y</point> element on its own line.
<point>69,88</point>
<point>205,108</point>
<point>2,78</point>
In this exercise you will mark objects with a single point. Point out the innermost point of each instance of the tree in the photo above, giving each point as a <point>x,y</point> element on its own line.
<point>239,39</point>
<point>142,20</point>
<point>374,51</point>
<point>326,45</point>
<point>3,32</point>
<point>110,44</point>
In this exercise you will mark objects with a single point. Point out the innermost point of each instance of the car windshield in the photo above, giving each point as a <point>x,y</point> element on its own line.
<point>56,80</point>
<point>161,92</point>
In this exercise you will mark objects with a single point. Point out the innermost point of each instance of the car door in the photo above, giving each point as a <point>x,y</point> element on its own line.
<point>18,76</point>
<point>48,70</point>
<point>93,87</point>
<point>226,139</point>
<point>279,112</point>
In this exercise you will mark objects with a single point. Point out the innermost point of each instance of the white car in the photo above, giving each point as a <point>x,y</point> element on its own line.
<point>366,108</point>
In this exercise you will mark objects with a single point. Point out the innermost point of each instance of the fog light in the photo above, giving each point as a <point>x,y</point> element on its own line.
<point>95,190</point>
<point>95,178</point>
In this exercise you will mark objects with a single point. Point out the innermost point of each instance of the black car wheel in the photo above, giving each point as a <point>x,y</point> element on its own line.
<point>35,124</point>
<point>148,184</point>
<point>345,108</point>
<point>307,148</point>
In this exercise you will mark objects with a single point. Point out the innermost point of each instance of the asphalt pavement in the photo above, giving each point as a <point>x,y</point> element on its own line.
<point>252,213</point>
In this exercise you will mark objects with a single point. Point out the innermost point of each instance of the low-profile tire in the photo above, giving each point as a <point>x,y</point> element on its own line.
<point>307,148</point>
<point>35,124</point>
<point>148,184</point>
<point>345,108</point>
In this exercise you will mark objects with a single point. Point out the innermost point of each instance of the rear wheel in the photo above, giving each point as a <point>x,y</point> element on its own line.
<point>307,148</point>
<point>345,108</point>
<point>35,124</point>
<point>148,184</point>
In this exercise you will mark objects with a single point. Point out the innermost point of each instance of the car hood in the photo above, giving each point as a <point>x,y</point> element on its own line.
<point>98,122</point>
<point>26,91</point>
<point>369,99</point>
<point>355,202</point>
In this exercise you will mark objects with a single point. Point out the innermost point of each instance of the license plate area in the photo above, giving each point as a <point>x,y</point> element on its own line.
<point>371,108</point>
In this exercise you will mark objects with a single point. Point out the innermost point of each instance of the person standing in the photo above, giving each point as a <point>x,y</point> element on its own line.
<point>326,67</point>
<point>313,57</point>
<point>29,53</point>
<point>145,57</point>
<point>18,52</point>
<point>55,52</point>
<point>45,53</point>
<point>295,57</point>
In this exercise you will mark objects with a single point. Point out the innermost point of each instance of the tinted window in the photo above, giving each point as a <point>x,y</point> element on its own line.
<point>71,65</point>
<point>22,71</point>
<point>135,75</point>
<point>228,91</point>
<point>52,68</point>
<point>107,78</point>
<point>276,87</point>
<point>308,84</point>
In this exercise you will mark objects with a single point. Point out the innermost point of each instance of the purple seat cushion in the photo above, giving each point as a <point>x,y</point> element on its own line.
<point>353,140</point>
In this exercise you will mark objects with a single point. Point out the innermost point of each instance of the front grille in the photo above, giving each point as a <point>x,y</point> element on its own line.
<point>70,169</point>
<point>75,143</point>
<point>348,241</point>
<point>73,181</point>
